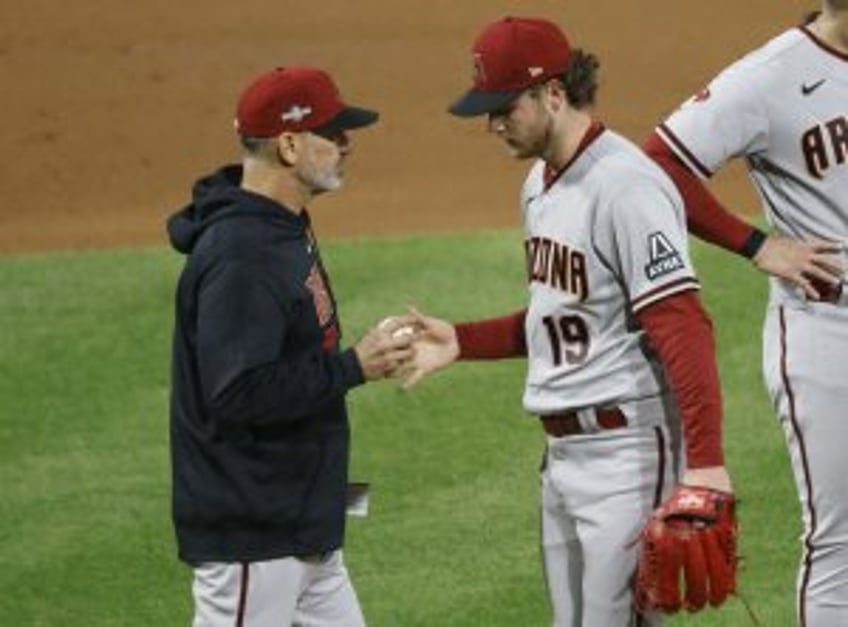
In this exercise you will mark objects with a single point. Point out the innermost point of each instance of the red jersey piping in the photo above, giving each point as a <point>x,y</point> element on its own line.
<point>550,175</point>
<point>826,47</point>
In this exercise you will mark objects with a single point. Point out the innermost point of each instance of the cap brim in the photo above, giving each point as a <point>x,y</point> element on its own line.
<point>482,102</point>
<point>348,119</point>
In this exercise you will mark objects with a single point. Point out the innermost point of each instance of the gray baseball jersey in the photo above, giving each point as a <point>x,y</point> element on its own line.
<point>784,108</point>
<point>605,240</point>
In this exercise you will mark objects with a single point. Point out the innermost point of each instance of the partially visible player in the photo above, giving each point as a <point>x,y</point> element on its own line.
<point>784,109</point>
<point>619,347</point>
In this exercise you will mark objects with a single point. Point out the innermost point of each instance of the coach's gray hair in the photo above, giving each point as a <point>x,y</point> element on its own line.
<point>264,148</point>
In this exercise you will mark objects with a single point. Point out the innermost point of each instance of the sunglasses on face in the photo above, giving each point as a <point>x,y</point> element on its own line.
<point>335,135</point>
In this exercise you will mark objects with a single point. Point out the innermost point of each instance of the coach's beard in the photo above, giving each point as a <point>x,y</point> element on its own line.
<point>321,182</point>
<point>329,182</point>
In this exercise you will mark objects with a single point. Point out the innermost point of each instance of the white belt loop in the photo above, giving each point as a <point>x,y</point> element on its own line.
<point>588,419</point>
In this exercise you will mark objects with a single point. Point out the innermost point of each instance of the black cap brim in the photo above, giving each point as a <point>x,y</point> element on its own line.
<point>347,119</point>
<point>475,103</point>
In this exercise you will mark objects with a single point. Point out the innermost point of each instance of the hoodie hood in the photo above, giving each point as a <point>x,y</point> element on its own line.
<point>218,197</point>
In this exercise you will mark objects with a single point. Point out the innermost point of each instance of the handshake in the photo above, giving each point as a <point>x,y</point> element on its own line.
<point>407,347</point>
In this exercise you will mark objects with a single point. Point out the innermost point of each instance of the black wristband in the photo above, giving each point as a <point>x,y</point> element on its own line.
<point>753,244</point>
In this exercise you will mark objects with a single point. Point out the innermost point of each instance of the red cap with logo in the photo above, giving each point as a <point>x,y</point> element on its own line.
<point>510,55</point>
<point>296,99</point>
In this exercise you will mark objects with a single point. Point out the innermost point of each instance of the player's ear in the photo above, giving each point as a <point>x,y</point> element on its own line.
<point>288,147</point>
<point>555,92</point>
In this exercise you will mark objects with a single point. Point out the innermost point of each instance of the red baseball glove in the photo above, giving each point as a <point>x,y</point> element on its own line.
<point>694,534</point>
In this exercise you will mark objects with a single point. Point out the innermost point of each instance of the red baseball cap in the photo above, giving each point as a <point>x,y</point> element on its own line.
<point>510,55</point>
<point>296,99</point>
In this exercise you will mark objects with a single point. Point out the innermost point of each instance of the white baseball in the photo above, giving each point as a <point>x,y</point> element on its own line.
<point>398,333</point>
<point>403,332</point>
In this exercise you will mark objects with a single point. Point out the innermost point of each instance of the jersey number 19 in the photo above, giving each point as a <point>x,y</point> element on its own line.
<point>569,338</point>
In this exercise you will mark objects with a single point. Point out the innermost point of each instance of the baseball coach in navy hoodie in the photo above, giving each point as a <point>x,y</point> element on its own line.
<point>259,427</point>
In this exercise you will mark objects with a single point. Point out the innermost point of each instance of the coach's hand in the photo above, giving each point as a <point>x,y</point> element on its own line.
<point>435,347</point>
<point>803,263</point>
<point>386,347</point>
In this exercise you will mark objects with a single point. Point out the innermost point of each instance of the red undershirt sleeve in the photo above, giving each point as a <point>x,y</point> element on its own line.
<point>680,331</point>
<point>706,217</point>
<point>495,338</point>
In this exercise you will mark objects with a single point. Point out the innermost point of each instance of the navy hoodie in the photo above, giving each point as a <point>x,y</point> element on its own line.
<point>259,428</point>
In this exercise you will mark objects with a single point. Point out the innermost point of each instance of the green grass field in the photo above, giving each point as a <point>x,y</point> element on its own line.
<point>451,539</point>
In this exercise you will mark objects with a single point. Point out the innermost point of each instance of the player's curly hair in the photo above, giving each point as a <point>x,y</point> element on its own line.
<point>580,79</point>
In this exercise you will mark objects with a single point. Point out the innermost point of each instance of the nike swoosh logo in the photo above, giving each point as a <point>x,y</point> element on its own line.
<point>806,90</point>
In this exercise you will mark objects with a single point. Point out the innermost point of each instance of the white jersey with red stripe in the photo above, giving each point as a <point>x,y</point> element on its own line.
<point>604,239</point>
<point>784,107</point>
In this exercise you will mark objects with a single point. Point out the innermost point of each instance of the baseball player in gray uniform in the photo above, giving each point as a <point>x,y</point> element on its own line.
<point>784,108</point>
<point>619,348</point>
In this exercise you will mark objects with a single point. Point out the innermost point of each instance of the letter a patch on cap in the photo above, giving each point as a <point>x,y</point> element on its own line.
<point>663,258</point>
<point>479,70</point>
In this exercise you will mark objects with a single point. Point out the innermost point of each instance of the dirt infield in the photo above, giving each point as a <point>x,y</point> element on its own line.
<point>111,109</point>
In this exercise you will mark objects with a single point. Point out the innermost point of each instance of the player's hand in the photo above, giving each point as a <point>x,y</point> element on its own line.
<point>688,556</point>
<point>435,347</point>
<point>383,350</point>
<point>803,263</point>
<point>713,477</point>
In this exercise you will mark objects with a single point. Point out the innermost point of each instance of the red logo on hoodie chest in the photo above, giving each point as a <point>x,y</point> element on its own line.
<point>320,295</point>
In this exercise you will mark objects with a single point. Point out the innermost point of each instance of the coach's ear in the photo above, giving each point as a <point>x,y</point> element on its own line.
<point>287,148</point>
